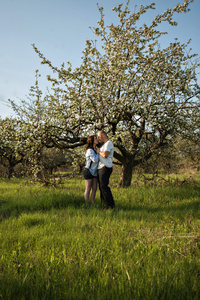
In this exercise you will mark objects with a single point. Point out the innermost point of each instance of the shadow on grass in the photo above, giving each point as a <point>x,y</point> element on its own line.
<point>134,212</point>
<point>181,204</point>
<point>182,210</point>
<point>42,203</point>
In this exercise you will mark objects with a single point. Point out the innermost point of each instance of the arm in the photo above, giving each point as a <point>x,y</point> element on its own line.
<point>107,148</point>
<point>104,154</point>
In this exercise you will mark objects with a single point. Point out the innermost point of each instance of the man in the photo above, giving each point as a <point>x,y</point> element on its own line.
<point>105,168</point>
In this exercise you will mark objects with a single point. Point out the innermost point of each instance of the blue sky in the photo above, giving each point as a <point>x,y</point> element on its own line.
<point>59,30</point>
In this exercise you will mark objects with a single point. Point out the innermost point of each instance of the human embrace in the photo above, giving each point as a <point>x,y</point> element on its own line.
<point>98,168</point>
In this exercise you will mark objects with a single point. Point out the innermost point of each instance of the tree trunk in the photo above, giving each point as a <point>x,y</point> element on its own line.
<point>10,171</point>
<point>126,174</point>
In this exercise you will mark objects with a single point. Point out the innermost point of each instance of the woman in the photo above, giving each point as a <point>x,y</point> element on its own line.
<point>90,171</point>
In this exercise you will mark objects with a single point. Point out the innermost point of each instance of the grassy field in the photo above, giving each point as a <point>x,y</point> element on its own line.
<point>53,246</point>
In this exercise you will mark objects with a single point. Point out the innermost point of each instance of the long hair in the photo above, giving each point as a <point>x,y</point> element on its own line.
<point>90,142</point>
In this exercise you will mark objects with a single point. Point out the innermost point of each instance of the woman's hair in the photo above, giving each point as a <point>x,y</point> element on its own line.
<point>90,142</point>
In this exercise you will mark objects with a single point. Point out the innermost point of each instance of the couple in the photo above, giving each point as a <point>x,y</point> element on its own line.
<point>99,168</point>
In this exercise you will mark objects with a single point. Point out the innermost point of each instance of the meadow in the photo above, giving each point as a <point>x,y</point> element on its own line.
<point>54,246</point>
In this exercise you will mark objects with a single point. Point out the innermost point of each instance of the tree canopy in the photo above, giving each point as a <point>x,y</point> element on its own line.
<point>127,84</point>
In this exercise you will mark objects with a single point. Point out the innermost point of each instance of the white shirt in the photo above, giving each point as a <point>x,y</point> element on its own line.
<point>108,146</point>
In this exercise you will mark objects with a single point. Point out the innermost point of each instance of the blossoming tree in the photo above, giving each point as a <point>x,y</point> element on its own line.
<point>140,93</point>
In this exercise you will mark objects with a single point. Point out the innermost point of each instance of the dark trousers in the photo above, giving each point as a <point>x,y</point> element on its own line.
<point>105,192</point>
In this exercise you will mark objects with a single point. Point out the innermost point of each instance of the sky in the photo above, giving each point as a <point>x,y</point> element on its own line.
<point>59,30</point>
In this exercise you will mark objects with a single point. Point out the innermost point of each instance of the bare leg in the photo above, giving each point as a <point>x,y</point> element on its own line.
<point>88,187</point>
<point>94,189</point>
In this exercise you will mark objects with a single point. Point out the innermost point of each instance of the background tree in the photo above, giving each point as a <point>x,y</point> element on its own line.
<point>127,84</point>
<point>40,136</point>
<point>32,121</point>
<point>9,155</point>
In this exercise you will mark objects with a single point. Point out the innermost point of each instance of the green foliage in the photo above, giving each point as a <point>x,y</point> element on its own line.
<point>52,246</point>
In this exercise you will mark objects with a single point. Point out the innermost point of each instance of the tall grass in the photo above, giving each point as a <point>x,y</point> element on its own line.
<point>53,246</point>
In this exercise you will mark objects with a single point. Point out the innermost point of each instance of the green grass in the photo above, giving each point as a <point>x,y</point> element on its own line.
<point>53,246</point>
